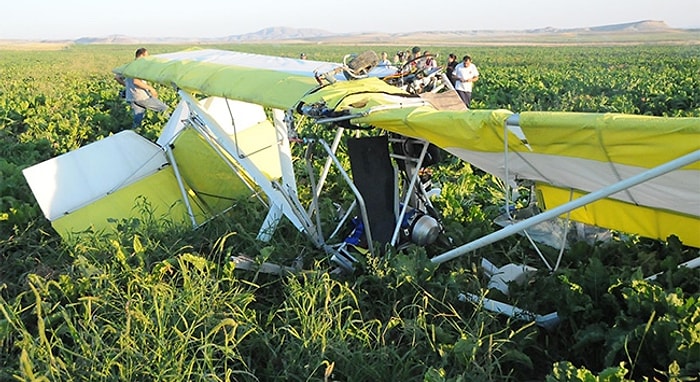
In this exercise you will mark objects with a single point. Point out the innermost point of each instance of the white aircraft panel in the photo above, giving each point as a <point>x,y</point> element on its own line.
<point>72,180</point>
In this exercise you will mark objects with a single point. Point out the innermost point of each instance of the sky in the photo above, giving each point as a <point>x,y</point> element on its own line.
<point>72,19</point>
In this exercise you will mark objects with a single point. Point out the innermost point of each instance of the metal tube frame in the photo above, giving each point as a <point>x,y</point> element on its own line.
<point>358,197</point>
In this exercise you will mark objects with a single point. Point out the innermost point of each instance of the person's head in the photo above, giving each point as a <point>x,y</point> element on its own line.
<point>451,57</point>
<point>141,52</point>
<point>466,59</point>
<point>385,55</point>
<point>302,56</point>
<point>415,50</point>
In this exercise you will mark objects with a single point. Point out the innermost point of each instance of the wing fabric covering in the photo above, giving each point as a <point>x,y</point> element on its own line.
<point>73,180</point>
<point>264,80</point>
<point>604,148</point>
<point>145,195</point>
<point>125,176</point>
<point>118,177</point>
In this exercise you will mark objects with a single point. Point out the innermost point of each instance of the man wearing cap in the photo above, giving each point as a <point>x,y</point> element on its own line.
<point>415,53</point>
<point>466,74</point>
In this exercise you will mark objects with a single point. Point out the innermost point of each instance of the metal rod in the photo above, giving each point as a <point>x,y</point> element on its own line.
<point>694,263</point>
<point>355,191</point>
<point>342,221</point>
<point>409,192</point>
<point>181,185</point>
<point>329,161</point>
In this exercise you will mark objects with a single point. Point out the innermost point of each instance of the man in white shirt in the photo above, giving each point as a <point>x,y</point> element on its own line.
<point>465,74</point>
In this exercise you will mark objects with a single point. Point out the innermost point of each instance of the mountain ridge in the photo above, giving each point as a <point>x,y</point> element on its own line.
<point>639,31</point>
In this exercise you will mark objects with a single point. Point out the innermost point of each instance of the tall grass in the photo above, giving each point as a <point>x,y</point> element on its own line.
<point>175,320</point>
<point>139,310</point>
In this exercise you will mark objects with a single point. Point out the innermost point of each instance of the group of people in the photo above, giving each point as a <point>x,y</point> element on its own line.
<point>413,57</point>
<point>462,75</point>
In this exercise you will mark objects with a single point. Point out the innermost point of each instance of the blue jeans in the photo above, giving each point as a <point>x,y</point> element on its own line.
<point>139,107</point>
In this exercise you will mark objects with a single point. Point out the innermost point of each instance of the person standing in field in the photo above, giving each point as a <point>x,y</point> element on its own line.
<point>384,59</point>
<point>429,61</point>
<point>140,95</point>
<point>466,74</point>
<point>450,68</point>
<point>399,58</point>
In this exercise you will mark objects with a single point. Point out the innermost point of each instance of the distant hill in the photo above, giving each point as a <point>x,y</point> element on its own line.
<point>639,26</point>
<point>281,33</point>
<point>263,35</point>
<point>640,32</point>
<point>114,39</point>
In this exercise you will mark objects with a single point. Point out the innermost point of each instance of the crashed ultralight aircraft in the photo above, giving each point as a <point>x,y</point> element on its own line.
<point>229,138</point>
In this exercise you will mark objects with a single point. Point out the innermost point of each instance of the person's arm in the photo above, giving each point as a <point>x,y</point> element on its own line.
<point>145,86</point>
<point>473,78</point>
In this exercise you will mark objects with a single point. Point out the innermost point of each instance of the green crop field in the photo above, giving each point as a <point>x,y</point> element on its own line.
<point>161,302</point>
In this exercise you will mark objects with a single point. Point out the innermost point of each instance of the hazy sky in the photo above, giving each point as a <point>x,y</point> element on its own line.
<point>71,19</point>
